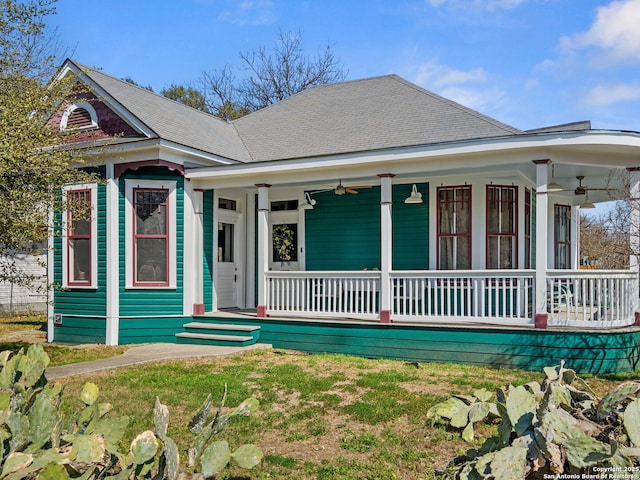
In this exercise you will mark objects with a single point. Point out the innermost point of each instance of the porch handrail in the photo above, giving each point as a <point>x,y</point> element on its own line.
<point>592,298</point>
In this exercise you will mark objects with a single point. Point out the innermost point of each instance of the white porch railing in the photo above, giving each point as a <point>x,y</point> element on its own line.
<point>576,298</point>
<point>329,294</point>
<point>486,296</point>
<point>592,298</point>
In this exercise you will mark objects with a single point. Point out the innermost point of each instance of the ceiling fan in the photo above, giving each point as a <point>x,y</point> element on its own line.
<point>353,190</point>
<point>582,189</point>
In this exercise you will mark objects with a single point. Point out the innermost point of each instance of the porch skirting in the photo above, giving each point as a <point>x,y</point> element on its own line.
<point>595,351</point>
<point>586,351</point>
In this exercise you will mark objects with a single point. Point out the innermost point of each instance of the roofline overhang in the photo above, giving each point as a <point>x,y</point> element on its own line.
<point>402,159</point>
<point>140,148</point>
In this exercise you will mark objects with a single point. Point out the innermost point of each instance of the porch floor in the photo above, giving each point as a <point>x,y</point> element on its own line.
<point>251,314</point>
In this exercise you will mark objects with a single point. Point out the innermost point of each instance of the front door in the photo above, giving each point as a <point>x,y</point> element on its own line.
<point>228,283</point>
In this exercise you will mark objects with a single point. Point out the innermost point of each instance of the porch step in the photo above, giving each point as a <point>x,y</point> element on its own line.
<point>201,333</point>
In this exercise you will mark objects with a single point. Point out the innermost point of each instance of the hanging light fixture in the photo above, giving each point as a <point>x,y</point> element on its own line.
<point>308,202</point>
<point>587,203</point>
<point>553,186</point>
<point>415,197</point>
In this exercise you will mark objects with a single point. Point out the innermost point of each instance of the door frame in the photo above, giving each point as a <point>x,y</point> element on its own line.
<point>235,217</point>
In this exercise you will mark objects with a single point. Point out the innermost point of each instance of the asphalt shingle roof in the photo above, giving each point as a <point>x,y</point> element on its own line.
<point>173,121</point>
<point>354,116</point>
<point>376,113</point>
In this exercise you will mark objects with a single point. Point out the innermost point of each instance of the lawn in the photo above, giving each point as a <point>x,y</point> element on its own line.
<point>320,416</point>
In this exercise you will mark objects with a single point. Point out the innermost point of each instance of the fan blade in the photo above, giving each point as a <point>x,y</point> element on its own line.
<point>351,190</point>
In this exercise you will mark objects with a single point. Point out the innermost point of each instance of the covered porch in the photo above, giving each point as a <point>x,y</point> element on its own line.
<point>524,274</point>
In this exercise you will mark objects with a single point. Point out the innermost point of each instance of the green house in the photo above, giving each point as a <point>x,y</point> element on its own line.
<point>369,217</point>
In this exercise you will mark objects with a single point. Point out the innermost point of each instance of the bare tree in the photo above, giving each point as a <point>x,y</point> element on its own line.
<point>221,94</point>
<point>604,240</point>
<point>272,76</point>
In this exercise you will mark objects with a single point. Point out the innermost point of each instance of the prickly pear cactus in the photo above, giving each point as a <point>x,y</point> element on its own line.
<point>36,441</point>
<point>554,427</point>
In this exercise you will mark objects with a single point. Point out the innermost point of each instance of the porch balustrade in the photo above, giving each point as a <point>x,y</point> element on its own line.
<point>346,294</point>
<point>592,298</point>
<point>486,296</point>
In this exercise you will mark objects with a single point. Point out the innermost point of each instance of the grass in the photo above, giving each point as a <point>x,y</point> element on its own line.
<point>21,331</point>
<point>320,417</point>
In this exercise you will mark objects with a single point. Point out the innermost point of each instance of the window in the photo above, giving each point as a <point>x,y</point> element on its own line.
<point>454,228</point>
<point>285,242</point>
<point>562,236</point>
<point>79,252</point>
<point>527,228</point>
<point>502,221</point>
<point>151,238</point>
<point>284,205</point>
<point>79,116</point>
<point>151,228</point>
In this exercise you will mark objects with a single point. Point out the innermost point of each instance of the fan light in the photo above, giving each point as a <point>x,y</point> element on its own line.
<point>587,203</point>
<point>415,197</point>
<point>553,186</point>
<point>340,190</point>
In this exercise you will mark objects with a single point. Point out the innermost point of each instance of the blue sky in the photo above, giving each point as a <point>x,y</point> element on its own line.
<point>528,63</point>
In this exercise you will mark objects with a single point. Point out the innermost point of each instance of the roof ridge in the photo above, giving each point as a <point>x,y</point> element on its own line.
<point>150,92</point>
<point>459,106</point>
<point>314,87</point>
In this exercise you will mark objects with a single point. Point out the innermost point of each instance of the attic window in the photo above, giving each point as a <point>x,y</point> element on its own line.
<point>79,116</point>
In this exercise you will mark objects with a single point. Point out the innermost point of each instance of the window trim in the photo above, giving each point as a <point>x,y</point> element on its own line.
<point>557,208</point>
<point>528,227</point>
<point>131,186</point>
<point>454,235</point>
<point>92,282</point>
<point>513,235</point>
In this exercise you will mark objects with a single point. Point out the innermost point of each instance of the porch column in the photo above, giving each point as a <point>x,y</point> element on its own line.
<point>198,247</point>
<point>386,246</point>
<point>634,233</point>
<point>263,247</point>
<point>542,208</point>
<point>113,258</point>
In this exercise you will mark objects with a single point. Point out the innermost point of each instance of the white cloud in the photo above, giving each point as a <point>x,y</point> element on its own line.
<point>489,5</point>
<point>465,87</point>
<point>248,12</point>
<point>604,95</point>
<point>615,31</point>
<point>435,75</point>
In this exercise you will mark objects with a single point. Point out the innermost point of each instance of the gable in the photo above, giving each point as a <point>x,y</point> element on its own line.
<point>90,119</point>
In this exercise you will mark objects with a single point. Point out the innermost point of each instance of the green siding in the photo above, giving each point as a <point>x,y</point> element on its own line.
<point>410,229</point>
<point>151,329</point>
<point>207,270</point>
<point>343,231</point>
<point>84,302</point>
<point>592,352</point>
<point>80,330</point>
<point>152,301</point>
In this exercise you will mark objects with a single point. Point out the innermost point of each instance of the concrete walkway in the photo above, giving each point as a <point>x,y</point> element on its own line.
<point>155,352</point>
